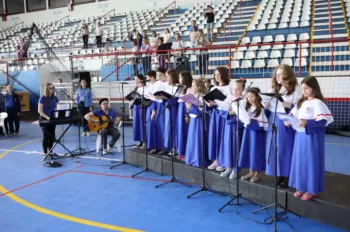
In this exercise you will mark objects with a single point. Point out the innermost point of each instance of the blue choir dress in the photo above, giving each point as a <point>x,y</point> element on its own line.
<point>308,162</point>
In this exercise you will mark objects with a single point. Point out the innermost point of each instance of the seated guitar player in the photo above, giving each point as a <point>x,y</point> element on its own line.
<point>112,118</point>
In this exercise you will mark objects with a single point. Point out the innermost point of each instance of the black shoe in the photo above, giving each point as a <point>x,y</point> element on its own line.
<point>280,179</point>
<point>284,183</point>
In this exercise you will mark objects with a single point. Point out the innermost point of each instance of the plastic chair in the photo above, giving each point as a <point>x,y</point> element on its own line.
<point>3,116</point>
<point>119,142</point>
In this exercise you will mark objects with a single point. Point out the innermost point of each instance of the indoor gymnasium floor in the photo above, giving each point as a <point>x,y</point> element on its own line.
<point>86,195</point>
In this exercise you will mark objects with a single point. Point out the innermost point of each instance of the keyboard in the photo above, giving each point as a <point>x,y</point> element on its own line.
<point>60,122</point>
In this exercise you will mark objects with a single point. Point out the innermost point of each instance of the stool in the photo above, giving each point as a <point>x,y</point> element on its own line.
<point>98,139</point>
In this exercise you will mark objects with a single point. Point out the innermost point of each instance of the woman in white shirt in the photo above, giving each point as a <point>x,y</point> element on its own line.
<point>85,34</point>
<point>98,33</point>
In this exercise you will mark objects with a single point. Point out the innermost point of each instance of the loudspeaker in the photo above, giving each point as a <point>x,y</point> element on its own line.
<point>181,64</point>
<point>85,76</point>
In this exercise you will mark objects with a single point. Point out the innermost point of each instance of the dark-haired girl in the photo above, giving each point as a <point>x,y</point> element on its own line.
<point>182,115</point>
<point>216,124</point>
<point>252,154</point>
<point>138,117</point>
<point>308,162</point>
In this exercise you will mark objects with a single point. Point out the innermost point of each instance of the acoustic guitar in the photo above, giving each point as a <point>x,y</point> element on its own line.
<point>95,123</point>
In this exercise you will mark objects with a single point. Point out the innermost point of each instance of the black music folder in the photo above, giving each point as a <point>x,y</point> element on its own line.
<point>133,95</point>
<point>272,95</point>
<point>214,95</point>
<point>162,93</point>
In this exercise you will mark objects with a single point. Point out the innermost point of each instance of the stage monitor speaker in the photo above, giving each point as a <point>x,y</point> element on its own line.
<point>85,76</point>
<point>181,64</point>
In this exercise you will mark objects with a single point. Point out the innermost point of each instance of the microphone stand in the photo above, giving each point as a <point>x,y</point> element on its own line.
<point>204,182</point>
<point>143,105</point>
<point>81,123</point>
<point>172,178</point>
<point>238,194</point>
<point>276,216</point>
<point>123,130</point>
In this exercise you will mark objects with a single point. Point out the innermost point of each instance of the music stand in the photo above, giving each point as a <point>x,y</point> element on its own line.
<point>56,115</point>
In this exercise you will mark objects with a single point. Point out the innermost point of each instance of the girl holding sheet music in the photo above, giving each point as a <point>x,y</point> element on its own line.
<point>228,150</point>
<point>182,115</point>
<point>308,162</point>
<point>171,114</point>
<point>194,144</point>
<point>152,141</point>
<point>252,154</point>
<point>285,82</point>
<point>138,117</point>
<point>157,113</point>
<point>221,81</point>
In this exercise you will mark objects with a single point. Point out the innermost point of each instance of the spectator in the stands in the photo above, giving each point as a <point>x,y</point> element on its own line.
<point>98,34</point>
<point>167,38</point>
<point>85,34</point>
<point>134,56</point>
<point>135,35</point>
<point>202,54</point>
<point>178,44</point>
<point>193,26</point>
<point>146,56</point>
<point>12,106</point>
<point>161,53</point>
<point>24,47</point>
<point>19,53</point>
<point>153,41</point>
<point>210,15</point>
<point>193,36</point>
<point>144,35</point>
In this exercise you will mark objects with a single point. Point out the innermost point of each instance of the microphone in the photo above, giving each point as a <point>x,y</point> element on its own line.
<point>277,95</point>
<point>249,87</point>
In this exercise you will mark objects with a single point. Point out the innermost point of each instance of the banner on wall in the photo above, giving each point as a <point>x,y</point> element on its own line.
<point>24,96</point>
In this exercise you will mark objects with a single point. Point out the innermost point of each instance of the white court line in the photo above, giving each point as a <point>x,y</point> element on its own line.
<point>63,155</point>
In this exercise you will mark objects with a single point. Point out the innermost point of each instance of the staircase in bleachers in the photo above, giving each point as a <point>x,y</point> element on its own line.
<point>330,23</point>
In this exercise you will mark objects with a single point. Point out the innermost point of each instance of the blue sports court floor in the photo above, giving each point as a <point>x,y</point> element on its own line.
<point>85,195</point>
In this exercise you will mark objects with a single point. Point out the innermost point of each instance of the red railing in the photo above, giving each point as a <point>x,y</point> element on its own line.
<point>211,49</point>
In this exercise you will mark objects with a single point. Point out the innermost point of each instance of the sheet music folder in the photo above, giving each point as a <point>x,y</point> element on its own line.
<point>214,95</point>
<point>272,95</point>
<point>162,93</point>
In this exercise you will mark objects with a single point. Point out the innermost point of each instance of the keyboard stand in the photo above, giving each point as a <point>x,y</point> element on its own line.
<point>57,141</point>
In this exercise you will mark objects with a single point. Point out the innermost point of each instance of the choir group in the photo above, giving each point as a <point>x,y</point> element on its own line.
<point>301,148</point>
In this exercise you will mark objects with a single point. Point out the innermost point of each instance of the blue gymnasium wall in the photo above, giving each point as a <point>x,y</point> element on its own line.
<point>30,79</point>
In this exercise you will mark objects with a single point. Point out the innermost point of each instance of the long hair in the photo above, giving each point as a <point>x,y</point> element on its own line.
<point>258,104</point>
<point>312,82</point>
<point>200,83</point>
<point>174,76</point>
<point>289,78</point>
<point>47,93</point>
<point>224,76</point>
<point>186,81</point>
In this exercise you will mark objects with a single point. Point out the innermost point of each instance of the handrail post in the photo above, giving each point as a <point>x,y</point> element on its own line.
<point>299,71</point>
<point>117,68</point>
<point>229,64</point>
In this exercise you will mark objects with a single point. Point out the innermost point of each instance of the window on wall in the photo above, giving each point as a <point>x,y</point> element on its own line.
<point>15,6</point>
<point>58,3</point>
<point>83,1</point>
<point>33,5</point>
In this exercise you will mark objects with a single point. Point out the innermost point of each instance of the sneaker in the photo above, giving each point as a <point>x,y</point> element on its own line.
<point>105,152</point>
<point>16,134</point>
<point>255,179</point>
<point>233,175</point>
<point>109,149</point>
<point>213,166</point>
<point>247,177</point>
<point>83,134</point>
<point>138,145</point>
<point>220,169</point>
<point>87,133</point>
<point>226,173</point>
<point>143,146</point>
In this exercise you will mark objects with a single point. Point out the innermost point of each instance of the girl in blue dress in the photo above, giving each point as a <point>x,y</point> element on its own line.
<point>308,162</point>
<point>252,154</point>
<point>284,82</point>
<point>194,146</point>
<point>84,102</point>
<point>183,118</point>
<point>138,125</point>
<point>216,123</point>
<point>228,146</point>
